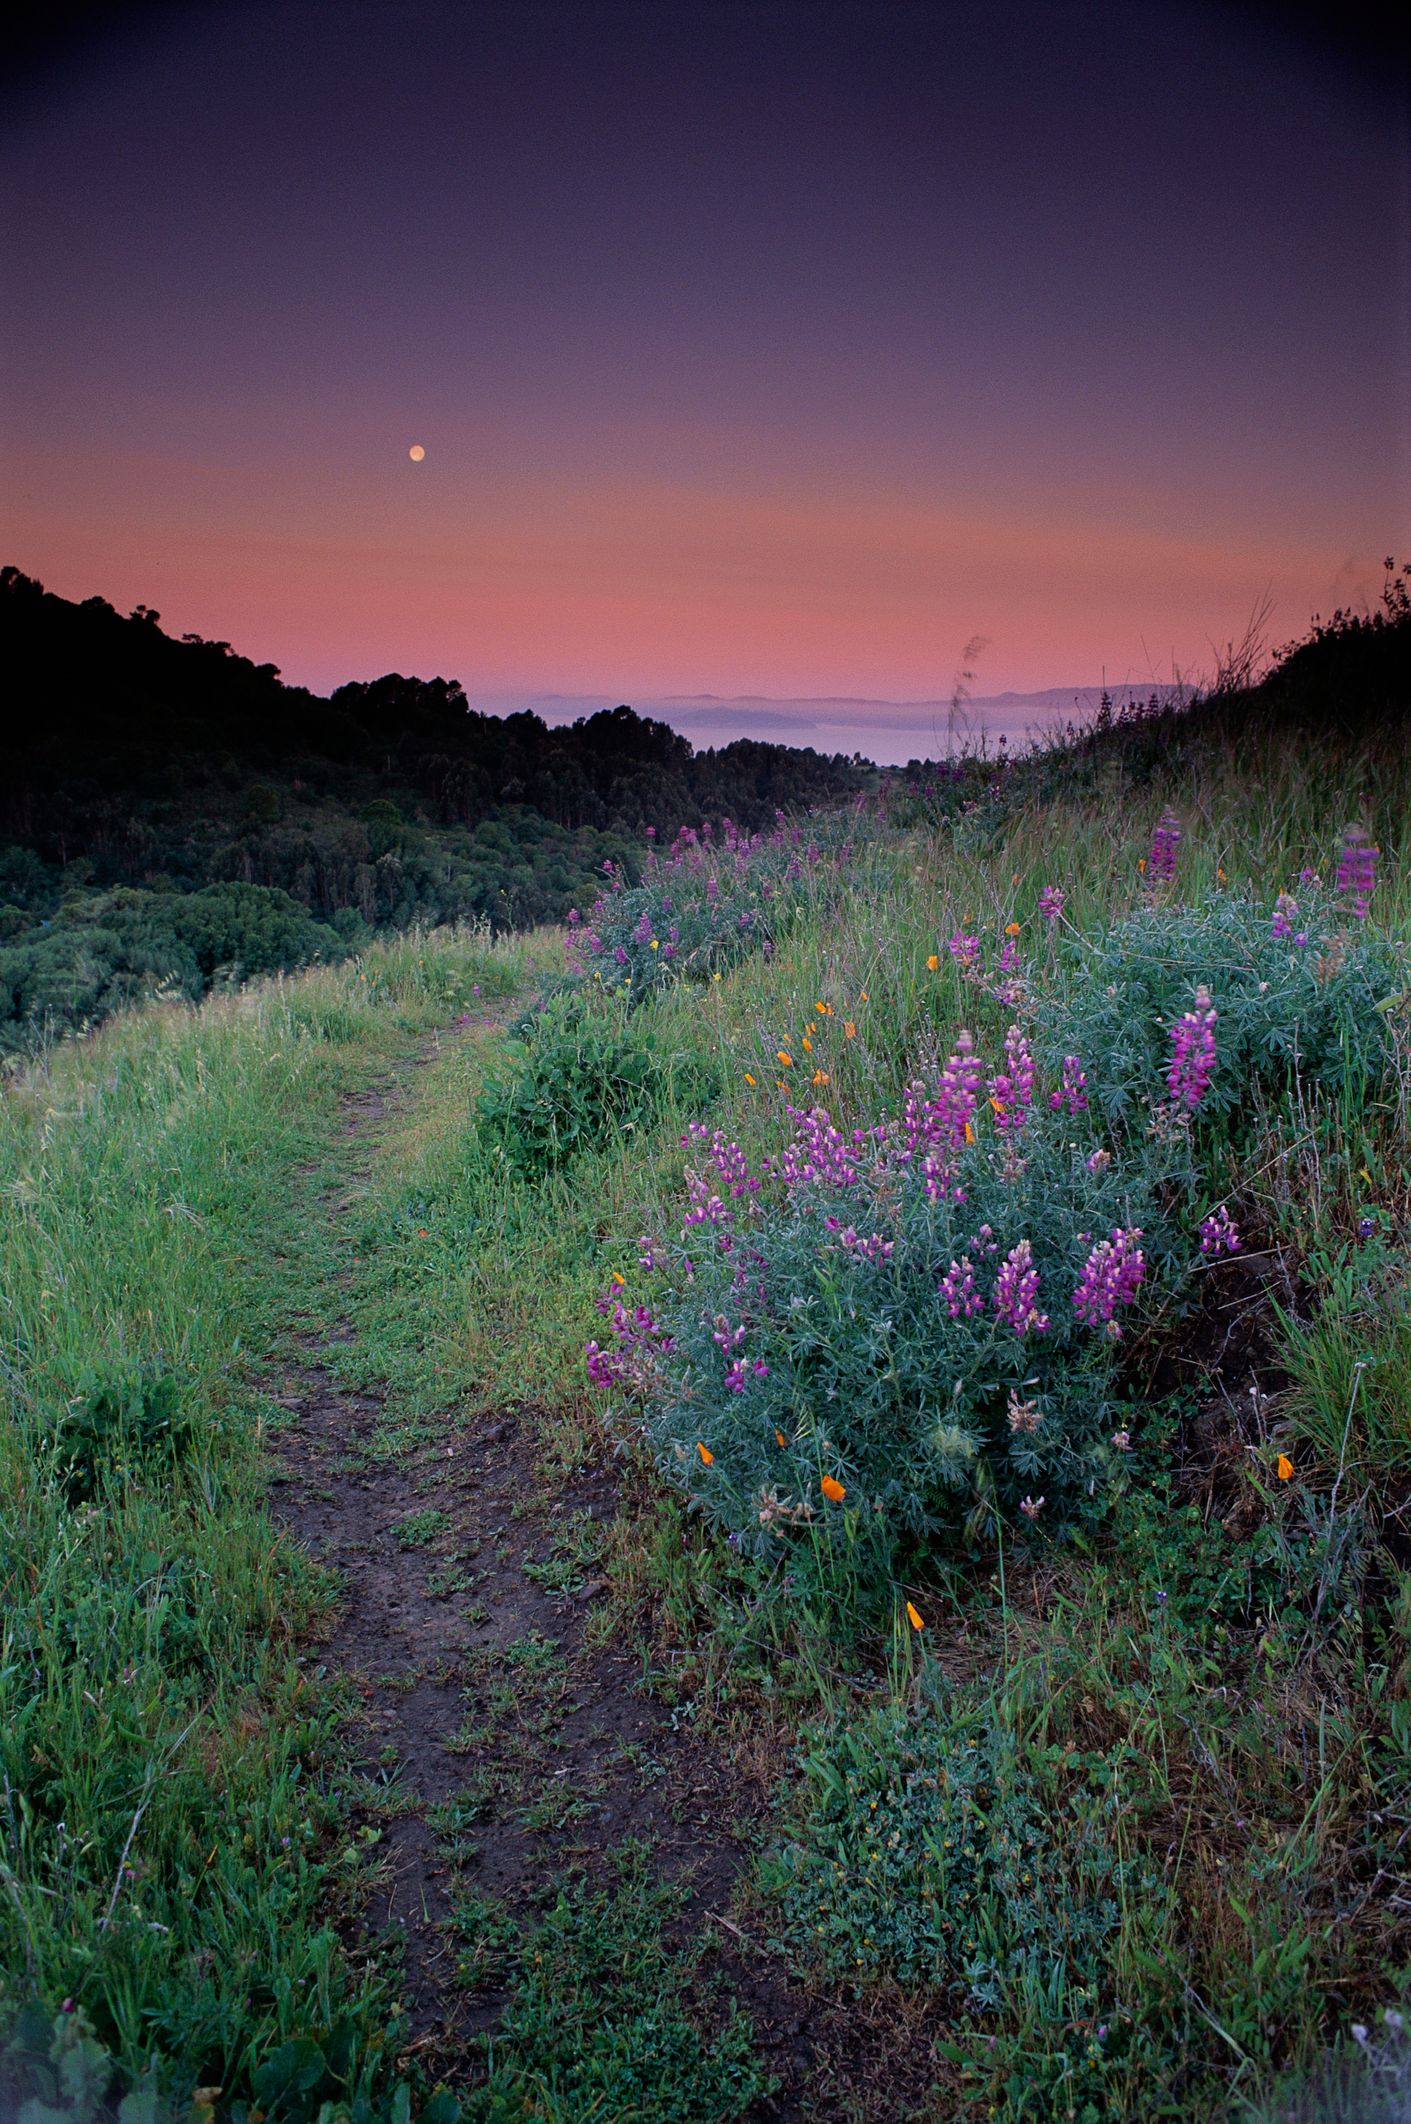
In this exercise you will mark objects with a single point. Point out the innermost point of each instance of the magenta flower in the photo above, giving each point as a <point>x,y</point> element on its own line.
<point>1051,903</point>
<point>1193,1053</point>
<point>1016,1292</point>
<point>820,1154</point>
<point>1032,1506</point>
<point>1285,915</point>
<point>1357,870</point>
<point>1012,1089</point>
<point>1111,1276</point>
<point>1218,1235</point>
<point>957,1288</point>
<point>932,1130</point>
<point>1073,1094</point>
<point>1165,844</point>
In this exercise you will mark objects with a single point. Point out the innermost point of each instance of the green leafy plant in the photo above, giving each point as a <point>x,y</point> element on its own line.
<point>116,1424</point>
<point>601,2022</point>
<point>586,1075</point>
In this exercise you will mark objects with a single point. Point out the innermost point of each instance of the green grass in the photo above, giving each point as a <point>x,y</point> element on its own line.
<point>1201,1706</point>
<point>168,1766</point>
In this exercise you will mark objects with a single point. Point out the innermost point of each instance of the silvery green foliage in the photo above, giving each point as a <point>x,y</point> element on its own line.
<point>889,1333</point>
<point>1297,992</point>
<point>1368,2081</point>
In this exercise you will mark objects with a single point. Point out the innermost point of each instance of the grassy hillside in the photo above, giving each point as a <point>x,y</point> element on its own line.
<point>884,1432</point>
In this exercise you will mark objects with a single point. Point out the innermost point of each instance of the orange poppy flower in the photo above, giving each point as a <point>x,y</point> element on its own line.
<point>832,1489</point>
<point>706,1454</point>
<point>849,1029</point>
<point>932,963</point>
<point>779,1435</point>
<point>748,1078</point>
<point>917,1622</point>
<point>786,1058</point>
<point>1284,1468</point>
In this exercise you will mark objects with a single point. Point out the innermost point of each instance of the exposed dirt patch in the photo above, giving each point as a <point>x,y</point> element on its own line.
<point>502,1746</point>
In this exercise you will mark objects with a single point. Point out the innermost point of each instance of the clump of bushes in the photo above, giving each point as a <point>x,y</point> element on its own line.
<point>916,1326</point>
<point>901,1329</point>
<point>709,902</point>
<point>98,953</point>
<point>586,1074</point>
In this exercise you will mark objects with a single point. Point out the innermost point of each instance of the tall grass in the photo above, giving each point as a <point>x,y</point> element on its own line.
<point>165,1756</point>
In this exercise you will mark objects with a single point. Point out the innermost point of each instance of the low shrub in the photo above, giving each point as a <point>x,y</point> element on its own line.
<point>709,903</point>
<point>115,1425</point>
<point>936,1844</point>
<point>586,1075</point>
<point>1297,992</point>
<point>900,1330</point>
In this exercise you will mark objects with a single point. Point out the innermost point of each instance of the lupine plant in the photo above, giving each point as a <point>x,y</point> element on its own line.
<point>901,1328</point>
<point>710,901</point>
<point>1215,1007</point>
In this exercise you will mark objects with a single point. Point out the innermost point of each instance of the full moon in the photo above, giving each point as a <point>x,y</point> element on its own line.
<point>416,453</point>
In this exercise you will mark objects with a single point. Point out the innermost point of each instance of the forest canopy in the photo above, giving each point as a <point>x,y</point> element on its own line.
<point>172,812</point>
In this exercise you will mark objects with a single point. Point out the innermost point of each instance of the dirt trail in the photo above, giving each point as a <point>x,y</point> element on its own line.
<point>505,1748</point>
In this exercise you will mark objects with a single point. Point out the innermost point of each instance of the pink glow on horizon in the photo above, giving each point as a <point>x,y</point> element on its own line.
<point>650,587</point>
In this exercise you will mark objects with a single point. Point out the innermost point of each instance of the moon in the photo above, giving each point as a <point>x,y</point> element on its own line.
<point>416,453</point>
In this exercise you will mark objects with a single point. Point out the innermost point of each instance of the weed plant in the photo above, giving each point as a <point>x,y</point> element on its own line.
<point>586,1072</point>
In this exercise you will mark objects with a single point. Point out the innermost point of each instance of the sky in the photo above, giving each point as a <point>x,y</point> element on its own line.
<point>755,350</point>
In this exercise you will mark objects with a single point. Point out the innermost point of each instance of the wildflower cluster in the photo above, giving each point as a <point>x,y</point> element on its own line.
<point>709,901</point>
<point>843,1330</point>
<point>1357,871</point>
<point>1206,1010</point>
<point>1165,847</point>
<point>1193,1052</point>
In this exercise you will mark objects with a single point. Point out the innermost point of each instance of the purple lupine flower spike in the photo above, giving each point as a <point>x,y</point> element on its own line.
<point>1357,870</point>
<point>1193,1053</point>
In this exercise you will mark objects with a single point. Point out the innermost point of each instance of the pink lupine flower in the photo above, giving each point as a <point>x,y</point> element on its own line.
<point>1111,1275</point>
<point>957,1288</point>
<point>1193,1053</point>
<point>820,1154</point>
<point>933,1129</point>
<point>1165,842</point>
<point>1016,1292</point>
<point>1032,1506</point>
<point>1051,903</point>
<point>1012,1089</point>
<point>1218,1235</point>
<point>1285,915</point>
<point>1073,1093</point>
<point>1357,870</point>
